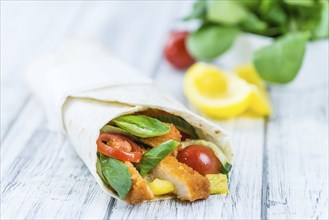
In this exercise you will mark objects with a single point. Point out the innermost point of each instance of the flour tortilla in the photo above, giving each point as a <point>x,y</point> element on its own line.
<point>82,88</point>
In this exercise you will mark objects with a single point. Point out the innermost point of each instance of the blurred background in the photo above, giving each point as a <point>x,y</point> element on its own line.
<point>281,168</point>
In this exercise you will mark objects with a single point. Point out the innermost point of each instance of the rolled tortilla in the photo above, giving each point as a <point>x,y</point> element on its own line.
<point>82,88</point>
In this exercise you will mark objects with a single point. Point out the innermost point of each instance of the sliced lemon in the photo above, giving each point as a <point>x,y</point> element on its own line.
<point>248,73</point>
<point>215,93</point>
<point>259,100</point>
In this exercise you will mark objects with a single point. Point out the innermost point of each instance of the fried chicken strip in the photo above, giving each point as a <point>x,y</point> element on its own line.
<point>140,190</point>
<point>173,134</point>
<point>189,184</point>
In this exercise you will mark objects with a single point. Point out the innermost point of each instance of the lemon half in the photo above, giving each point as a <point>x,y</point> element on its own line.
<point>215,93</point>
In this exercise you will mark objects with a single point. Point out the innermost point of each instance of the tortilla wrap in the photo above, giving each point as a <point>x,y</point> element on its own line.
<point>82,88</point>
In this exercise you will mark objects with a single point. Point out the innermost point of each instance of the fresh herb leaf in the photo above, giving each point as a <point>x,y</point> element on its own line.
<point>198,11</point>
<point>321,29</point>
<point>117,175</point>
<point>280,61</point>
<point>226,12</point>
<point>142,126</point>
<point>253,24</point>
<point>180,124</point>
<point>152,157</point>
<point>99,170</point>
<point>305,3</point>
<point>211,41</point>
<point>116,130</point>
<point>312,19</point>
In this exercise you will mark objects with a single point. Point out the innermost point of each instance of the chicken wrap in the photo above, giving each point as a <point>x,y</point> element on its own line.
<point>139,143</point>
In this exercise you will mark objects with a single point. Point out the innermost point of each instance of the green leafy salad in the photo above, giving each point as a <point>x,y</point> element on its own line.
<point>291,23</point>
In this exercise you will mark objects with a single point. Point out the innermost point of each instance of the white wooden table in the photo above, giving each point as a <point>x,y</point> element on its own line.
<point>281,163</point>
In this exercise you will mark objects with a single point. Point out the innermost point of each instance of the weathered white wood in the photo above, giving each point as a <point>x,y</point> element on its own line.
<point>291,183</point>
<point>297,143</point>
<point>47,179</point>
<point>27,31</point>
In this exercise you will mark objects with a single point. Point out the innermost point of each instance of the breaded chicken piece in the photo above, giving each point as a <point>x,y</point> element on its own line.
<point>155,113</point>
<point>140,190</point>
<point>173,134</point>
<point>189,184</point>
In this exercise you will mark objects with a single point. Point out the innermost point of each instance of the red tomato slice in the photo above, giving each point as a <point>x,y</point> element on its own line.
<point>119,147</point>
<point>200,158</point>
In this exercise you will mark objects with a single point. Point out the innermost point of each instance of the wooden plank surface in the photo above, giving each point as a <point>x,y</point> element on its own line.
<point>281,165</point>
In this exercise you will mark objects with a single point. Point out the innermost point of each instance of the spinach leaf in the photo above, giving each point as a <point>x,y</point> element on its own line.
<point>211,41</point>
<point>321,29</point>
<point>117,175</point>
<point>116,130</point>
<point>226,12</point>
<point>198,11</point>
<point>253,24</point>
<point>141,125</point>
<point>152,157</point>
<point>305,3</point>
<point>273,13</point>
<point>313,19</point>
<point>280,61</point>
<point>99,170</point>
<point>180,124</point>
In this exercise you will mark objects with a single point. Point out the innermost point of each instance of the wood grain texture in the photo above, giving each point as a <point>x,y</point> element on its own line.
<point>27,31</point>
<point>52,185</point>
<point>297,142</point>
<point>281,165</point>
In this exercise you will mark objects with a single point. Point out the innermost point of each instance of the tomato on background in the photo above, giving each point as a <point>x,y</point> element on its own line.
<point>200,158</point>
<point>175,50</point>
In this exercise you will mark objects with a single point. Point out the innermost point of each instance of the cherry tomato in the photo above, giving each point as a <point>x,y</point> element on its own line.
<point>175,50</point>
<point>119,147</point>
<point>200,158</point>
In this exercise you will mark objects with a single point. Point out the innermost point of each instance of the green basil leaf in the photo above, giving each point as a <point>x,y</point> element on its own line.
<point>211,41</point>
<point>116,130</point>
<point>99,171</point>
<point>226,12</point>
<point>253,24</point>
<point>180,124</point>
<point>273,13</point>
<point>321,29</point>
<point>252,5</point>
<point>305,3</point>
<point>313,19</point>
<point>117,175</point>
<point>152,157</point>
<point>198,11</point>
<point>280,61</point>
<point>142,126</point>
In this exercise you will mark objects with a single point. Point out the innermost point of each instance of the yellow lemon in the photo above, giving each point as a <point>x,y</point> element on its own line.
<point>259,100</point>
<point>248,73</point>
<point>216,93</point>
